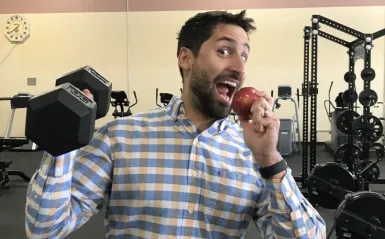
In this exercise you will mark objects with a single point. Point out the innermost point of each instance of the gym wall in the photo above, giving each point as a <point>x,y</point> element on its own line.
<point>133,44</point>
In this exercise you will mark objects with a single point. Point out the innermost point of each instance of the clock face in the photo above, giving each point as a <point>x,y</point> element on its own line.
<point>17,29</point>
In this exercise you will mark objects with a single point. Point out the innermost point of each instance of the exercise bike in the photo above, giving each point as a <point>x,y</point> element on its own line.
<point>289,140</point>
<point>120,102</point>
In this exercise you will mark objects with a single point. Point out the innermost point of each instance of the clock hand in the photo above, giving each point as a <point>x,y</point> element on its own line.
<point>15,28</point>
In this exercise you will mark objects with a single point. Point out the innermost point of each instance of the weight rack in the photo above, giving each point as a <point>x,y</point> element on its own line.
<point>357,49</point>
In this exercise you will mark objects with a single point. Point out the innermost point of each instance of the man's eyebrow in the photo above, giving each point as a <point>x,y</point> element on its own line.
<point>232,41</point>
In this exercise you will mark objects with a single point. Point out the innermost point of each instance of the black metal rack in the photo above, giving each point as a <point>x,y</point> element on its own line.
<point>360,48</point>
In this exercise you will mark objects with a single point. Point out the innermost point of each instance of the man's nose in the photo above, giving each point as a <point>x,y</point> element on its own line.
<point>238,65</point>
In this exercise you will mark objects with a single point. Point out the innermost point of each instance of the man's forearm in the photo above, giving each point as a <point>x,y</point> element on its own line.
<point>67,190</point>
<point>48,198</point>
<point>293,215</point>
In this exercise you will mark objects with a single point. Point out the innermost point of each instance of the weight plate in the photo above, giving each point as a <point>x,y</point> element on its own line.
<point>368,209</point>
<point>372,174</point>
<point>368,97</point>
<point>350,76</point>
<point>367,128</point>
<point>368,74</point>
<point>336,176</point>
<point>342,154</point>
<point>350,96</point>
<point>345,121</point>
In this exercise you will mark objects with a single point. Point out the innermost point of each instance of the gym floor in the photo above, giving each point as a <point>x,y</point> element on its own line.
<point>12,201</point>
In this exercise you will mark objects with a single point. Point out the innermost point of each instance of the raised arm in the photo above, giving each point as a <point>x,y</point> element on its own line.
<point>283,212</point>
<point>67,190</point>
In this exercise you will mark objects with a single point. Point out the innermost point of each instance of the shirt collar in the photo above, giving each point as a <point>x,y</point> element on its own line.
<point>176,111</point>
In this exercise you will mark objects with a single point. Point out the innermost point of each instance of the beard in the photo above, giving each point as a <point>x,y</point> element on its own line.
<point>204,93</point>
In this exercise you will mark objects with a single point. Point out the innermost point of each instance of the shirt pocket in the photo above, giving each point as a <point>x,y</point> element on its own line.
<point>230,198</point>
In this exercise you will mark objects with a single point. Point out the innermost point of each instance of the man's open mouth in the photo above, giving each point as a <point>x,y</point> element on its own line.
<point>226,89</point>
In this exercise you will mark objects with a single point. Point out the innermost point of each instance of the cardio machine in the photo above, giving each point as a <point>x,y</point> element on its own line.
<point>289,140</point>
<point>165,98</point>
<point>120,100</point>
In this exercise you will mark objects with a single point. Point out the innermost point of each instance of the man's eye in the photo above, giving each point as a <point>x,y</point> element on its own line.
<point>244,58</point>
<point>223,52</point>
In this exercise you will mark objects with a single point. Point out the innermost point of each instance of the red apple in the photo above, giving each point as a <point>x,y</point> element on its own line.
<point>243,100</point>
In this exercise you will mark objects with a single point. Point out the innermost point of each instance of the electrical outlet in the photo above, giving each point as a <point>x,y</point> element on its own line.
<point>31,81</point>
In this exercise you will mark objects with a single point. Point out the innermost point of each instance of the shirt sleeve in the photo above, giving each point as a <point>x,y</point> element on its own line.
<point>283,212</point>
<point>67,190</point>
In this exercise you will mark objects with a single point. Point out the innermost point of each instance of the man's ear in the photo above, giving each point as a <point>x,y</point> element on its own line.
<point>185,58</point>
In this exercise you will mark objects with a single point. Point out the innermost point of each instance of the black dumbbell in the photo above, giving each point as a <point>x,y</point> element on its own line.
<point>63,119</point>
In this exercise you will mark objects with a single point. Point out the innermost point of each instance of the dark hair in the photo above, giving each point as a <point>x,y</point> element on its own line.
<point>200,28</point>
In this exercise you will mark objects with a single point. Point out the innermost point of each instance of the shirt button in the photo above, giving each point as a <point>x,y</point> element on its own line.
<point>190,210</point>
<point>194,173</point>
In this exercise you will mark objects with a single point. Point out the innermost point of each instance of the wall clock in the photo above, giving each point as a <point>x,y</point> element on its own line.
<point>17,29</point>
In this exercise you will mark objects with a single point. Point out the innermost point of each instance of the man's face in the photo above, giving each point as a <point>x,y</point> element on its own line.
<point>219,70</point>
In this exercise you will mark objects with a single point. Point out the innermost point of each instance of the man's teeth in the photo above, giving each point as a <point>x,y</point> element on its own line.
<point>233,84</point>
<point>225,96</point>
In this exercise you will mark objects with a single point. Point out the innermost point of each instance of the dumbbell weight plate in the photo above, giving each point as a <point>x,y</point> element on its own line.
<point>367,208</point>
<point>335,176</point>
<point>367,128</point>
<point>370,176</point>
<point>349,77</point>
<point>345,121</point>
<point>349,96</point>
<point>60,120</point>
<point>368,74</point>
<point>368,97</point>
<point>87,78</point>
<point>342,154</point>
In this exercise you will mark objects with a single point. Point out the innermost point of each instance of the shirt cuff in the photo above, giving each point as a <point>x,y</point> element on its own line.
<point>285,194</point>
<point>57,166</point>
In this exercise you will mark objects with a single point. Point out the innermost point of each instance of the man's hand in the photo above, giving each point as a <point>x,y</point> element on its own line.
<point>89,94</point>
<point>261,132</point>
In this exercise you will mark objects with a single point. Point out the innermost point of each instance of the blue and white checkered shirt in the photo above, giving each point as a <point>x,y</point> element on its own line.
<point>160,178</point>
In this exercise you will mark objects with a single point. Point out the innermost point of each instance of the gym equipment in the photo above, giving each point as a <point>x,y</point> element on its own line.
<point>18,101</point>
<point>349,96</point>
<point>350,76</point>
<point>368,128</point>
<point>63,119</point>
<point>333,186</point>
<point>361,215</point>
<point>289,140</point>
<point>165,98</point>
<point>346,155</point>
<point>368,97</point>
<point>121,101</point>
<point>360,48</point>
<point>372,173</point>
<point>87,78</point>
<point>368,74</point>
<point>345,121</point>
<point>5,144</point>
<point>340,120</point>
<point>329,183</point>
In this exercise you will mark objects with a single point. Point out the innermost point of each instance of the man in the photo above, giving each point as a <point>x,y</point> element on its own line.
<point>184,170</point>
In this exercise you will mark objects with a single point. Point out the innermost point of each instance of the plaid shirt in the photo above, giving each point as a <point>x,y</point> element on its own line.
<point>160,178</point>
